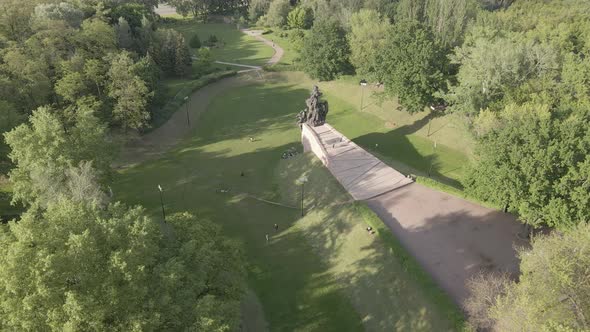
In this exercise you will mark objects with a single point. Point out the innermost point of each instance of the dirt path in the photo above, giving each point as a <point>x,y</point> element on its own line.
<point>453,239</point>
<point>162,139</point>
<point>278,50</point>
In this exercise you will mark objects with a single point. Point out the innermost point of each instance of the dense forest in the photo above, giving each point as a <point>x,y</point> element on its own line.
<point>74,72</point>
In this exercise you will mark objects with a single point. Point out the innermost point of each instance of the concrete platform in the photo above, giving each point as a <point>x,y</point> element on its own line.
<point>362,174</point>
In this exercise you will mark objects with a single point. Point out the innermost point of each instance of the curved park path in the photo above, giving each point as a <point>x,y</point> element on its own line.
<point>162,139</point>
<point>451,238</point>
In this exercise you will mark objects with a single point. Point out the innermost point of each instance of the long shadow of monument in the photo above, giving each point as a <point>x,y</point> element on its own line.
<point>396,149</point>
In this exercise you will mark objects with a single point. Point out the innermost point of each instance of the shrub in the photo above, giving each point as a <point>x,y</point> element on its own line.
<point>195,42</point>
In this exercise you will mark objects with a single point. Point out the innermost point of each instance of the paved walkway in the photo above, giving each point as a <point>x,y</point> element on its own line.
<point>451,238</point>
<point>362,174</point>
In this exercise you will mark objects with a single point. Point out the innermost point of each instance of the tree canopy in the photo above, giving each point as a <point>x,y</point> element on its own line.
<point>325,53</point>
<point>412,65</point>
<point>113,269</point>
<point>553,293</point>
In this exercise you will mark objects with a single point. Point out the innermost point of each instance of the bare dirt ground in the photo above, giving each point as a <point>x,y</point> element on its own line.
<point>453,239</point>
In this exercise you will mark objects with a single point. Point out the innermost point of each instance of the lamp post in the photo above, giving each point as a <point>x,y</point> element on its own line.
<point>302,180</point>
<point>188,119</point>
<point>363,83</point>
<point>432,159</point>
<point>162,202</point>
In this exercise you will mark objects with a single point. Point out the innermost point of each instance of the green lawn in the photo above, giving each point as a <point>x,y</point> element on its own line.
<point>288,59</point>
<point>405,141</point>
<point>235,46</point>
<point>322,272</point>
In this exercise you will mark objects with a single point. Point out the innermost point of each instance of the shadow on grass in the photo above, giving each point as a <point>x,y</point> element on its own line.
<point>396,148</point>
<point>388,291</point>
<point>290,280</point>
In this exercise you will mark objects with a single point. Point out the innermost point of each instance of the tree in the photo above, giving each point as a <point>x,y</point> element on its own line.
<point>195,42</point>
<point>277,13</point>
<point>448,19</point>
<point>96,38</point>
<point>171,52</point>
<point>28,76</point>
<point>95,71</point>
<point>300,18</point>
<point>45,148</point>
<point>257,8</point>
<point>125,38</point>
<point>112,269</point>
<point>71,87</point>
<point>535,162</point>
<point>59,11</point>
<point>182,57</point>
<point>130,93</point>
<point>489,69</point>
<point>367,39</point>
<point>325,53</point>
<point>412,65</point>
<point>553,293</point>
<point>14,18</point>
<point>133,13</point>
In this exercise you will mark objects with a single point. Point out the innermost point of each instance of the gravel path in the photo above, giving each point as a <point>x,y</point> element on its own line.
<point>451,238</point>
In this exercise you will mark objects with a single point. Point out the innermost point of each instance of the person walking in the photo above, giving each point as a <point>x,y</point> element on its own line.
<point>276,226</point>
<point>267,238</point>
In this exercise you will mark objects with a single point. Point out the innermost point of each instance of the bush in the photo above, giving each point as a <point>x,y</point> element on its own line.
<point>300,18</point>
<point>296,38</point>
<point>195,42</point>
<point>211,41</point>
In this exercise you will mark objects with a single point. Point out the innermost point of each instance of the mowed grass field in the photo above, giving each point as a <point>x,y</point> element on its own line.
<point>234,46</point>
<point>320,272</point>
<point>412,143</point>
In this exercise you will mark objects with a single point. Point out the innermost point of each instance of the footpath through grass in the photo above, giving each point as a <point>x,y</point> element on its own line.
<point>323,272</point>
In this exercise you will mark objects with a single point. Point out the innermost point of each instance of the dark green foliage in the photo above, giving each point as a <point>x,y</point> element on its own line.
<point>325,53</point>
<point>412,65</point>
<point>211,41</point>
<point>133,13</point>
<point>536,162</point>
<point>195,42</point>
<point>171,53</point>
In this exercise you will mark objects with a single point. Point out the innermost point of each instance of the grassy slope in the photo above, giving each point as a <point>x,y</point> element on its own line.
<point>315,271</point>
<point>407,146</point>
<point>234,47</point>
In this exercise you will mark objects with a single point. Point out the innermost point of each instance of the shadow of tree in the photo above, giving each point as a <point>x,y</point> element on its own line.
<point>416,155</point>
<point>452,239</point>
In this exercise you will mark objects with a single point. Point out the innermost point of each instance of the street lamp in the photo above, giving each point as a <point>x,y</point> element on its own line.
<point>363,83</point>
<point>188,119</point>
<point>432,159</point>
<point>302,180</point>
<point>162,202</point>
